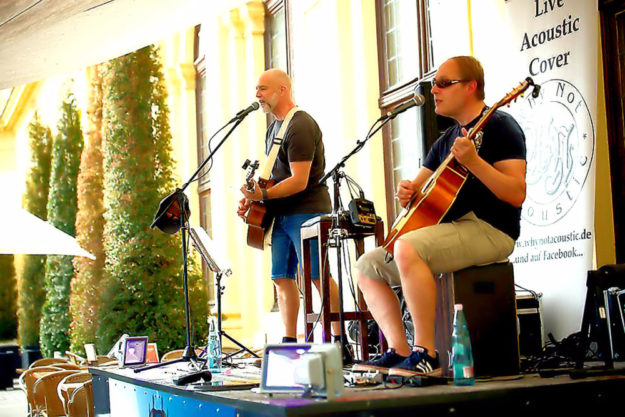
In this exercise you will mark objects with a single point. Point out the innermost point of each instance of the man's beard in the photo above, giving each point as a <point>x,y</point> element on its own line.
<point>270,104</point>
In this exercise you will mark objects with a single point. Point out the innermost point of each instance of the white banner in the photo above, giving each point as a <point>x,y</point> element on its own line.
<point>555,42</point>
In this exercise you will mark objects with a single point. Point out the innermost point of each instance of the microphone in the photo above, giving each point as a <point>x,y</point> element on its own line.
<point>417,100</point>
<point>241,115</point>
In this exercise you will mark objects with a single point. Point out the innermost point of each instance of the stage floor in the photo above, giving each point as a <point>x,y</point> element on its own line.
<point>152,393</point>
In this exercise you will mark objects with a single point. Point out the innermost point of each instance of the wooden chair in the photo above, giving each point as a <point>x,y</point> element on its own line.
<point>102,360</point>
<point>46,362</point>
<point>28,378</point>
<point>75,359</point>
<point>45,396</point>
<point>177,354</point>
<point>69,384</point>
<point>68,366</point>
<point>81,402</point>
<point>171,355</point>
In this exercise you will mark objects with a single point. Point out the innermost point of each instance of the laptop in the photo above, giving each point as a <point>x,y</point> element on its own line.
<point>135,351</point>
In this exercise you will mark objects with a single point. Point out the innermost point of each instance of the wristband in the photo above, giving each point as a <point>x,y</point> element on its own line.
<point>264,191</point>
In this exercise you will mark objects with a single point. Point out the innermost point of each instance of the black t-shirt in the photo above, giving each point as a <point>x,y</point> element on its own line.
<point>302,142</point>
<point>502,139</point>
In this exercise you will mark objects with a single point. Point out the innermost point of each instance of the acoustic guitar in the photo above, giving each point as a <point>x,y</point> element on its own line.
<point>429,205</point>
<point>257,218</point>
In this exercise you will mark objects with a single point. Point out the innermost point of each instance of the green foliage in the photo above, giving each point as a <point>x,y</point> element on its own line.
<point>62,207</point>
<point>142,292</point>
<point>8,295</point>
<point>31,289</point>
<point>85,286</point>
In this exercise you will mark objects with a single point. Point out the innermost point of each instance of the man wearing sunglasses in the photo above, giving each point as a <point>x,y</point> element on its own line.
<point>480,227</point>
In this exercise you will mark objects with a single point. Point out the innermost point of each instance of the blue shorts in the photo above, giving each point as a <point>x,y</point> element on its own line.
<point>286,246</point>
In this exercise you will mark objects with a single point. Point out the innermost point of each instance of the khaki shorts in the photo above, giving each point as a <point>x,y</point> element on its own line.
<point>445,247</point>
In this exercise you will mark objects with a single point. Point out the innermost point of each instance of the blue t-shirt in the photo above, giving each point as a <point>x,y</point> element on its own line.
<point>502,139</point>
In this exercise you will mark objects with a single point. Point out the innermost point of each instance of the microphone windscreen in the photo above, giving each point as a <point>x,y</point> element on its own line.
<point>419,99</point>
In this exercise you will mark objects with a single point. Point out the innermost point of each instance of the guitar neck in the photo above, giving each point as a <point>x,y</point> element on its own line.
<point>480,123</point>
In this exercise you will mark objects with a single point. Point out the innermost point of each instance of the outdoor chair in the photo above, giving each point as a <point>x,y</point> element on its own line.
<point>45,396</point>
<point>46,362</point>
<point>69,384</point>
<point>81,402</point>
<point>27,382</point>
<point>177,354</point>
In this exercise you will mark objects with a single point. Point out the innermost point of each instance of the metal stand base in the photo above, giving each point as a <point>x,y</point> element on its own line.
<point>221,332</point>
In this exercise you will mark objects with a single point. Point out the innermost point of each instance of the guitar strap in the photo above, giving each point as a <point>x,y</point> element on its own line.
<point>277,142</point>
<point>271,160</point>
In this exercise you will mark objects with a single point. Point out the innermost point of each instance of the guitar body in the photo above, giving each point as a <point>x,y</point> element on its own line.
<point>258,220</point>
<point>430,205</point>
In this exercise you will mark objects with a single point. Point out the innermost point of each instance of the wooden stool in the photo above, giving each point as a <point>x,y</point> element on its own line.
<point>488,298</point>
<point>319,230</point>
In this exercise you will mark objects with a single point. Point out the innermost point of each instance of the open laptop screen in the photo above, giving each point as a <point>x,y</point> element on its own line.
<point>135,349</point>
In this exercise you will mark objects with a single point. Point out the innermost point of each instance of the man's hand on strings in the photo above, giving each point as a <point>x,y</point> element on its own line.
<point>464,150</point>
<point>244,206</point>
<point>405,191</point>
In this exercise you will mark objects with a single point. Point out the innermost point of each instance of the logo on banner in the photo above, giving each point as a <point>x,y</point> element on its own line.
<point>560,146</point>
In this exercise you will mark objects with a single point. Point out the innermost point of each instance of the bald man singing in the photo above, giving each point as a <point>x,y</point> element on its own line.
<point>296,196</point>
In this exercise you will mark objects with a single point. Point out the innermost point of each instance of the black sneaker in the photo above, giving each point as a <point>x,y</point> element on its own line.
<point>287,339</point>
<point>419,363</point>
<point>389,359</point>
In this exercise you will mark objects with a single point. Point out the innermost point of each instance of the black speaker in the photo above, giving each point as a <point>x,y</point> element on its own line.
<point>487,295</point>
<point>432,125</point>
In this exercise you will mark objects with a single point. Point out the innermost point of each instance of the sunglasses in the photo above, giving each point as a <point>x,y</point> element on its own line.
<point>446,83</point>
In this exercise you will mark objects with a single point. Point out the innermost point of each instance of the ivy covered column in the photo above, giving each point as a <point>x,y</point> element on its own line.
<point>62,208</point>
<point>87,281</point>
<point>31,293</point>
<point>142,287</point>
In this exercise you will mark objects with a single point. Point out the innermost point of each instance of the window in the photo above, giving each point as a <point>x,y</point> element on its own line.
<point>202,147</point>
<point>277,53</point>
<point>277,35</point>
<point>405,58</point>
<point>400,41</point>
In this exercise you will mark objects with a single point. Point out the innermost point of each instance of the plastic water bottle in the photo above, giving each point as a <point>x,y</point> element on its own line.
<point>214,347</point>
<point>462,358</point>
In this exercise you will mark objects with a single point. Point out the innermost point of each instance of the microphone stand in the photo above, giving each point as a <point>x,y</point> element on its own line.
<point>336,233</point>
<point>173,215</point>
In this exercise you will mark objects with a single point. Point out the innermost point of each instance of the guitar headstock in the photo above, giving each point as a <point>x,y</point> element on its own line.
<point>251,168</point>
<point>518,91</point>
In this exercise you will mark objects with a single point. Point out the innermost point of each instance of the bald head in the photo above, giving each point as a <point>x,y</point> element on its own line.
<point>274,92</point>
<point>278,78</point>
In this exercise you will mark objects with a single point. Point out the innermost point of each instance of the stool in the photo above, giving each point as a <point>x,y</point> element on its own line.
<point>488,298</point>
<point>319,229</point>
